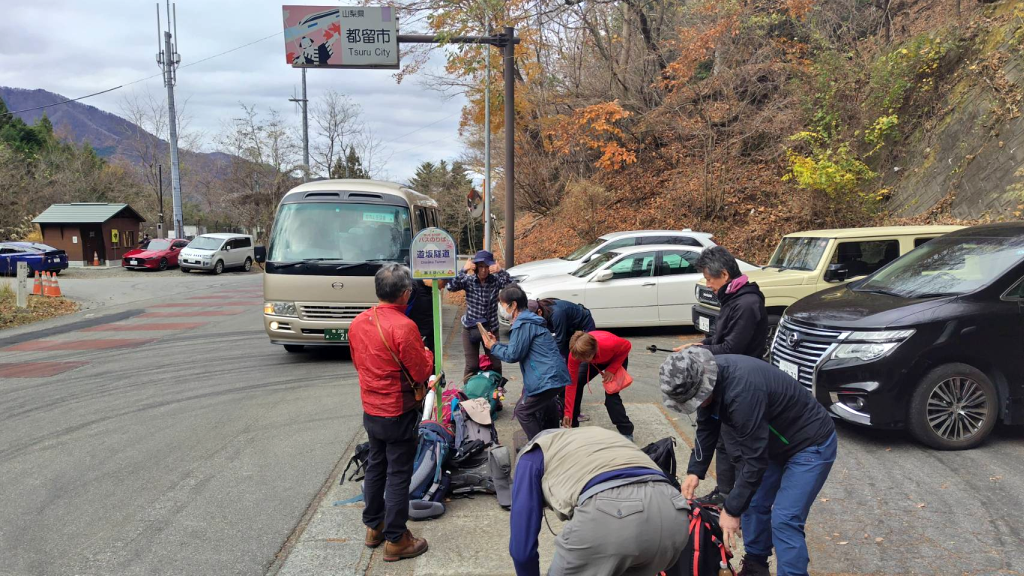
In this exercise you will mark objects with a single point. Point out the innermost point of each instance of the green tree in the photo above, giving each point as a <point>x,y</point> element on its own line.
<point>352,167</point>
<point>449,185</point>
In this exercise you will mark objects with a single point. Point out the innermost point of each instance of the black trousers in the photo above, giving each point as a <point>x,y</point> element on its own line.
<point>539,412</point>
<point>471,346</point>
<point>725,468</point>
<point>393,443</point>
<point>612,402</point>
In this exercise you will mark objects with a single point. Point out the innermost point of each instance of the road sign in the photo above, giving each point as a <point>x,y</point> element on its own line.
<point>114,237</point>
<point>341,37</point>
<point>475,204</point>
<point>433,255</point>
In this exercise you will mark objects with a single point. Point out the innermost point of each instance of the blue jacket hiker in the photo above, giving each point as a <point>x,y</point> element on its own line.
<point>545,374</point>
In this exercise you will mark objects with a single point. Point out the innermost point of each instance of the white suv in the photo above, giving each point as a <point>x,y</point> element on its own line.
<point>216,252</point>
<point>606,243</point>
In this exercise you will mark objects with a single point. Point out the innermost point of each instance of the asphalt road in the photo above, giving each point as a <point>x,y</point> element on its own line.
<point>193,450</point>
<point>198,448</point>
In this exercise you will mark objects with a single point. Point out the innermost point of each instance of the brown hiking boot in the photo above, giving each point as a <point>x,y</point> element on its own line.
<point>408,546</point>
<point>375,536</point>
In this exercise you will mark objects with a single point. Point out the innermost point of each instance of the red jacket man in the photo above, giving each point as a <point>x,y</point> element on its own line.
<point>383,388</point>
<point>592,353</point>
<point>385,342</point>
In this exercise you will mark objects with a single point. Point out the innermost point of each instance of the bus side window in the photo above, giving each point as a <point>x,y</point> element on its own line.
<point>421,219</point>
<point>433,217</point>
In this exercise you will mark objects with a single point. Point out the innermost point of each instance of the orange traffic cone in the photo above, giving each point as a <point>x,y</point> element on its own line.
<point>46,284</point>
<point>37,288</point>
<point>54,286</point>
<point>95,259</point>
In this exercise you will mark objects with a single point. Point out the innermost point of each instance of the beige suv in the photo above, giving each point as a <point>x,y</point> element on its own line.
<point>807,262</point>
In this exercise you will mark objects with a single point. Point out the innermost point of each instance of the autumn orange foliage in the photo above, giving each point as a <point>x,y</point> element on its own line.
<point>595,127</point>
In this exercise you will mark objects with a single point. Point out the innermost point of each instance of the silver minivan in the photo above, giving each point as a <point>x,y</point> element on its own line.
<point>218,252</point>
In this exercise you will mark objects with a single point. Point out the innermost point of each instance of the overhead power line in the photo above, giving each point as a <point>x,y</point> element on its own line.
<point>235,49</point>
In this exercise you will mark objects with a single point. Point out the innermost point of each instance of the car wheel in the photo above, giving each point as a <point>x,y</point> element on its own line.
<point>773,327</point>
<point>294,348</point>
<point>954,407</point>
<point>218,267</point>
<point>248,264</point>
<point>163,264</point>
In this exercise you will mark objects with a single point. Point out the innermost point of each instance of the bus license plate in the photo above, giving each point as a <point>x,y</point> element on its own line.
<point>789,368</point>
<point>703,323</point>
<point>336,334</point>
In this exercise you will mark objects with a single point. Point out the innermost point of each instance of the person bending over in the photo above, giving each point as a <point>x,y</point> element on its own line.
<point>544,373</point>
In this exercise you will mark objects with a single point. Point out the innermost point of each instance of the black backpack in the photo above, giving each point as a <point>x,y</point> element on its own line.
<point>705,549</point>
<point>663,452</point>
<point>359,458</point>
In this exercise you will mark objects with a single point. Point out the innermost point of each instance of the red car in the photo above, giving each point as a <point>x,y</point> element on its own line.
<point>154,254</point>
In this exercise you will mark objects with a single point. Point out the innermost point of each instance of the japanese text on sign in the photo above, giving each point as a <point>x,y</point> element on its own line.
<point>333,37</point>
<point>433,255</point>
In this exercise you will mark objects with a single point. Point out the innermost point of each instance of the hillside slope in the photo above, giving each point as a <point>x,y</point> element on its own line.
<point>783,115</point>
<point>81,123</point>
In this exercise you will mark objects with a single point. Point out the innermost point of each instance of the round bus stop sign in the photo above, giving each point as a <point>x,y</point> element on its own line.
<point>433,255</point>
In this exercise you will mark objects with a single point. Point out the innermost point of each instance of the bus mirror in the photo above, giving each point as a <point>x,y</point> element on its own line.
<point>260,252</point>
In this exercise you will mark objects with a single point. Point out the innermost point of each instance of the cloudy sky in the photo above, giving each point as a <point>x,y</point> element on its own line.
<point>76,47</point>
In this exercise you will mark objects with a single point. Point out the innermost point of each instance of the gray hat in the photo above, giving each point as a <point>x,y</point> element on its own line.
<point>688,379</point>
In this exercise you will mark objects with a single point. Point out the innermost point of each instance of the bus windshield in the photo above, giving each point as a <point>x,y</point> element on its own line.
<point>341,232</point>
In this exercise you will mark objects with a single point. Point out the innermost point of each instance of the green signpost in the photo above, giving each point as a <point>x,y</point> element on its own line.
<point>433,257</point>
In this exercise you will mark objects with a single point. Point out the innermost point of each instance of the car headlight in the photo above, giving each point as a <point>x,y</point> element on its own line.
<point>280,309</point>
<point>869,346</point>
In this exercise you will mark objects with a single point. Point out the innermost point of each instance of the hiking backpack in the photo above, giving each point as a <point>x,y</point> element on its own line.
<point>500,464</point>
<point>663,452</point>
<point>430,477</point>
<point>486,384</point>
<point>359,458</point>
<point>705,550</point>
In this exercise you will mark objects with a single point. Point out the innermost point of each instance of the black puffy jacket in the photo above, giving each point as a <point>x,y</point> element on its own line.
<point>742,324</point>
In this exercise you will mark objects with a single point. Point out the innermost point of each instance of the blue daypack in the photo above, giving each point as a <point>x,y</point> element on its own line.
<point>430,476</point>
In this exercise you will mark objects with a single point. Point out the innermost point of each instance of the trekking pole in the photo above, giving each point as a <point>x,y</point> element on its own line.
<point>652,349</point>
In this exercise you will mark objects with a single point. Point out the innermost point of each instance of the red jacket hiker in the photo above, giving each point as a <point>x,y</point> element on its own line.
<point>612,351</point>
<point>383,388</point>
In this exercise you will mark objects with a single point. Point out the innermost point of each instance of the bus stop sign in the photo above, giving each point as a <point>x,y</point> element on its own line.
<point>433,255</point>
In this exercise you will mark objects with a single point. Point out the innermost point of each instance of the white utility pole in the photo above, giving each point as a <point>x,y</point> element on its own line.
<point>168,59</point>
<point>305,128</point>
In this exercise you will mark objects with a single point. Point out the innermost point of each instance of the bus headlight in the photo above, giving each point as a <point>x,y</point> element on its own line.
<point>280,309</point>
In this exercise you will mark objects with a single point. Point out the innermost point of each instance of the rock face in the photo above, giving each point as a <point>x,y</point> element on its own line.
<point>972,153</point>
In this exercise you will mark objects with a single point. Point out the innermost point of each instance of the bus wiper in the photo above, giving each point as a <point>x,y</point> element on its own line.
<point>303,261</point>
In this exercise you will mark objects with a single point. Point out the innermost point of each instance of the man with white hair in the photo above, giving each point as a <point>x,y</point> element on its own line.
<point>784,441</point>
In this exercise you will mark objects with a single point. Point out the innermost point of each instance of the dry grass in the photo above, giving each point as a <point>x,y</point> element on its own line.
<point>39,308</point>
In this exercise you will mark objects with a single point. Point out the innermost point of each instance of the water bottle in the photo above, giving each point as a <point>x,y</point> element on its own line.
<point>724,570</point>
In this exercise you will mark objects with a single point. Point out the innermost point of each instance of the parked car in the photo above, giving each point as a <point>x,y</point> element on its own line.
<point>154,254</point>
<point>807,262</point>
<point>636,286</point>
<point>931,342</point>
<point>218,252</point>
<point>607,243</point>
<point>39,257</point>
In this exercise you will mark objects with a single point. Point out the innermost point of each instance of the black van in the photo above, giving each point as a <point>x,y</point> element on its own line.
<point>933,342</point>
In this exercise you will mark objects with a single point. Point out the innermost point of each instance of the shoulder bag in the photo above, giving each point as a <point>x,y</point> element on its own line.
<point>419,390</point>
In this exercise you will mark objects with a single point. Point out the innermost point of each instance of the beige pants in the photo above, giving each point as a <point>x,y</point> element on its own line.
<point>636,529</point>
